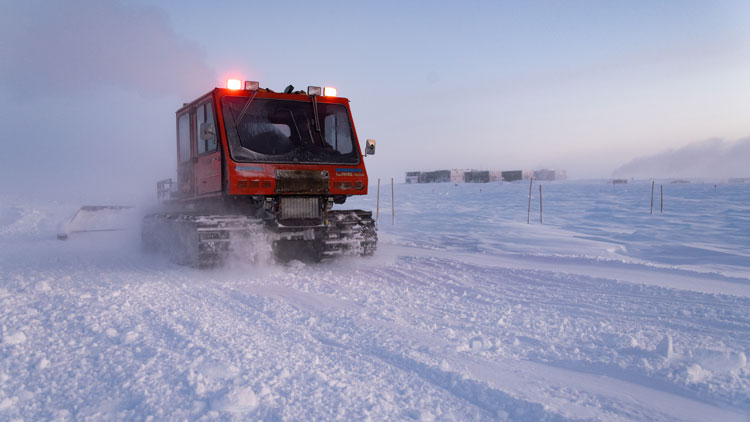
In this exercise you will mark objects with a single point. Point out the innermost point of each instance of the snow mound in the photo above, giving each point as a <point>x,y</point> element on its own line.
<point>15,221</point>
<point>235,400</point>
<point>697,374</point>
<point>720,360</point>
<point>620,341</point>
<point>665,348</point>
<point>14,339</point>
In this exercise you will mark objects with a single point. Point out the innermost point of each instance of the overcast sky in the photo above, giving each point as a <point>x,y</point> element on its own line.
<point>88,88</point>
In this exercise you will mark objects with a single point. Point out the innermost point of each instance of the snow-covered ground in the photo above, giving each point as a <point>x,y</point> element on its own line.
<point>604,312</point>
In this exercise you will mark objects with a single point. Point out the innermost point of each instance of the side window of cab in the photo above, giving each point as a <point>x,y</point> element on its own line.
<point>337,132</point>
<point>183,136</point>
<point>205,128</point>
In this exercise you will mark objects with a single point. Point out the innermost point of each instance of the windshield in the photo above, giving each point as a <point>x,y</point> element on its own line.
<point>284,131</point>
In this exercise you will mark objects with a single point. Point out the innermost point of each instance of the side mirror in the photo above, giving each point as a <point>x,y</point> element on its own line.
<point>370,147</point>
<point>207,131</point>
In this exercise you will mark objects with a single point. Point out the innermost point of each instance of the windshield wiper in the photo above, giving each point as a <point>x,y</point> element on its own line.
<point>317,119</point>
<point>296,127</point>
<point>244,109</point>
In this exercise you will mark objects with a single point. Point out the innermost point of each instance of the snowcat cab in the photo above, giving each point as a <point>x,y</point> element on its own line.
<point>255,163</point>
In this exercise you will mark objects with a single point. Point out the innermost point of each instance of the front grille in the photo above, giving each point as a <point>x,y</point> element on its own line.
<point>245,184</point>
<point>300,208</point>
<point>302,182</point>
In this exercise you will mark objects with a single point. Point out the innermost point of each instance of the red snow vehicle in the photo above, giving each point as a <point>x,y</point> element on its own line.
<point>253,162</point>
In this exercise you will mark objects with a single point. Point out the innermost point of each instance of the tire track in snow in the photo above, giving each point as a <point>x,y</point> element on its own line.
<point>393,344</point>
<point>493,402</point>
<point>616,322</point>
<point>598,297</point>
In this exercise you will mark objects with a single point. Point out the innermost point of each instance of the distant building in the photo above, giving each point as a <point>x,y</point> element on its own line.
<point>412,177</point>
<point>477,176</point>
<point>544,174</point>
<point>548,174</point>
<point>481,176</point>
<point>513,175</point>
<point>619,181</point>
<point>437,176</point>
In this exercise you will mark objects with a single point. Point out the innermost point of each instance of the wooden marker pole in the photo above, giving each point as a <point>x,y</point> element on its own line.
<point>540,205</point>
<point>661,193</point>
<point>528,214</point>
<point>393,204</point>
<point>652,197</point>
<point>377,207</point>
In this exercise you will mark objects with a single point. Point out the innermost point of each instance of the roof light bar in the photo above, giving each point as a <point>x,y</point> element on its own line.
<point>234,84</point>
<point>313,90</point>
<point>252,85</point>
<point>329,91</point>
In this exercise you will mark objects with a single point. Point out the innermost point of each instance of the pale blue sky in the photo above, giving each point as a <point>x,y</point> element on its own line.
<point>579,85</point>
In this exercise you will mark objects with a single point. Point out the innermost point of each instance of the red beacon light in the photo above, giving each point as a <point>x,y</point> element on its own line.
<point>329,91</point>
<point>234,84</point>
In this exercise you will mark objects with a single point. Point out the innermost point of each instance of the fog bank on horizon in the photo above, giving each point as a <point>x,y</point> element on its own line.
<point>710,159</point>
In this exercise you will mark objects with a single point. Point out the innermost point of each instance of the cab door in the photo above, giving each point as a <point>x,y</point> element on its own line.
<point>208,158</point>
<point>185,178</point>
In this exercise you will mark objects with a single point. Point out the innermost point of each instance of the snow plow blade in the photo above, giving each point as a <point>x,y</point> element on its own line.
<point>96,218</point>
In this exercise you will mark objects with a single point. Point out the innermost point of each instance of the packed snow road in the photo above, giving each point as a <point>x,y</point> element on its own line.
<point>464,313</point>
